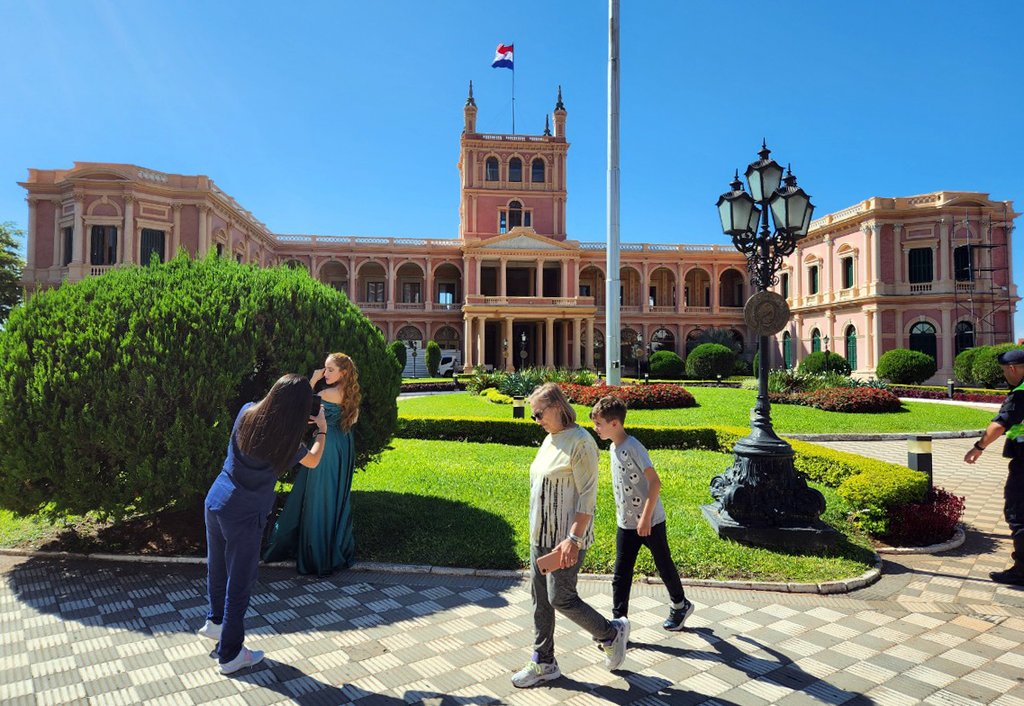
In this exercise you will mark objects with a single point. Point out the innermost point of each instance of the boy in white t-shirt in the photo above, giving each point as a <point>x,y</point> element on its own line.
<point>639,514</point>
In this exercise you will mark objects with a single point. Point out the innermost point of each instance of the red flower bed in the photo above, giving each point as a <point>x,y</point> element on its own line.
<point>841,399</point>
<point>917,393</point>
<point>852,399</point>
<point>635,396</point>
<point>924,523</point>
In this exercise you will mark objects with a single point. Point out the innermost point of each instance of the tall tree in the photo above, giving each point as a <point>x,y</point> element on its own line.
<point>11,265</point>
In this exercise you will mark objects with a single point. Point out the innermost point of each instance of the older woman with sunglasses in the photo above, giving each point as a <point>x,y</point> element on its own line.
<point>563,497</point>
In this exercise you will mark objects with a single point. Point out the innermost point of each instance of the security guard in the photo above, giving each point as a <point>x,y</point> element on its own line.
<point>1010,421</point>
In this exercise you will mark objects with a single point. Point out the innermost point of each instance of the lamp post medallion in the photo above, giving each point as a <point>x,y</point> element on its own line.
<point>766,313</point>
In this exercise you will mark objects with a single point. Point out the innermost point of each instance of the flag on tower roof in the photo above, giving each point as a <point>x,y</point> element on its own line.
<point>503,57</point>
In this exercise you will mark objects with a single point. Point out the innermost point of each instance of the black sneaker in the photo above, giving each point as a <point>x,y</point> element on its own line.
<point>677,617</point>
<point>1014,576</point>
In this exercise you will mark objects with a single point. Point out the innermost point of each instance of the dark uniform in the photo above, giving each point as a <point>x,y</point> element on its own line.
<point>1011,418</point>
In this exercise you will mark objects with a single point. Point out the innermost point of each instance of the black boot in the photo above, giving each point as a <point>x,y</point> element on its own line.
<point>1015,574</point>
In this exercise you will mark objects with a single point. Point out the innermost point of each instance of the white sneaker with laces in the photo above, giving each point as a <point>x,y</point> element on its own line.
<point>535,673</point>
<point>615,652</point>
<point>245,658</point>
<point>210,630</point>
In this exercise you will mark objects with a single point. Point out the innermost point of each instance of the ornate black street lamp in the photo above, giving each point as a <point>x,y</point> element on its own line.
<point>522,349</point>
<point>825,341</point>
<point>760,498</point>
<point>504,353</point>
<point>414,345</point>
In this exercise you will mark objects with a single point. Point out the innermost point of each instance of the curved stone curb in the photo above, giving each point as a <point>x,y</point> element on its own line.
<point>828,587</point>
<point>957,539</point>
<point>885,437</point>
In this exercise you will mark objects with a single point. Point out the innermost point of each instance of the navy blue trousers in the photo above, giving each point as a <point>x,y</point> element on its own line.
<point>1013,509</point>
<point>232,560</point>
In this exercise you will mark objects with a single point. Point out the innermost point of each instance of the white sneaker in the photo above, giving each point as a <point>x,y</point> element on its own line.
<point>210,630</point>
<point>615,652</point>
<point>534,673</point>
<point>245,658</point>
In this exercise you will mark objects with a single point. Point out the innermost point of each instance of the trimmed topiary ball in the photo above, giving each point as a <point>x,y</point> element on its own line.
<point>901,366</point>
<point>117,393</point>
<point>820,362</point>
<point>433,358</point>
<point>708,360</point>
<point>963,365</point>
<point>985,368</point>
<point>666,365</point>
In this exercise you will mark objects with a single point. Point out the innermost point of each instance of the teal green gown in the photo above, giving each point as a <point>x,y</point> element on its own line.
<point>315,526</point>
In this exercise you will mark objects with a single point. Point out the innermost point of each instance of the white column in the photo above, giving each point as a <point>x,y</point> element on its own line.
<point>58,239</point>
<point>645,288</point>
<point>549,342</point>
<point>204,229</point>
<point>540,278</point>
<point>590,343</point>
<point>31,237</point>
<point>502,265</point>
<point>467,343</point>
<point>564,270</point>
<point>897,254</point>
<point>352,289</point>
<point>480,325</point>
<point>829,268</point>
<point>876,254</point>
<point>716,301</point>
<point>392,283</point>
<point>78,248</point>
<point>508,344</point>
<point>680,290</point>
<point>479,284</point>
<point>943,259</point>
<point>872,338</point>
<point>129,231</point>
<point>428,296</point>
<point>574,344</point>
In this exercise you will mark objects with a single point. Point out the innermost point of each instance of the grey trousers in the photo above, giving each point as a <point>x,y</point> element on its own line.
<point>557,591</point>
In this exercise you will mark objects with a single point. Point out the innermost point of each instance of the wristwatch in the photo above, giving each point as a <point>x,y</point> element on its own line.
<point>578,541</point>
<point>978,446</point>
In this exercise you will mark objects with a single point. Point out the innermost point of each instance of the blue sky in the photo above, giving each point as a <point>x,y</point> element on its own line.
<point>344,117</point>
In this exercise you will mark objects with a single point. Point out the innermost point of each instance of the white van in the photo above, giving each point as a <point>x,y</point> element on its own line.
<point>451,363</point>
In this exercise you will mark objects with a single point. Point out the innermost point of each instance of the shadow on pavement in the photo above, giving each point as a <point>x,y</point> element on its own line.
<point>780,669</point>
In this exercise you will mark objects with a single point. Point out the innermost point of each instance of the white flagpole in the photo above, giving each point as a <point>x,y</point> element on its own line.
<point>513,90</point>
<point>612,347</point>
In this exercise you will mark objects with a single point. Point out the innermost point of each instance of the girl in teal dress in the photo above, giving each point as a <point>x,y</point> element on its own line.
<point>315,526</point>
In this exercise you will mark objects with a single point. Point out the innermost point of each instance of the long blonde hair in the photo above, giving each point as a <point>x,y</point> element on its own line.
<point>551,395</point>
<point>348,387</point>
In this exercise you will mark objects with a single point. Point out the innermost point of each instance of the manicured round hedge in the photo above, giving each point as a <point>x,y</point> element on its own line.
<point>985,366</point>
<point>666,365</point>
<point>397,349</point>
<point>963,364</point>
<point>709,360</point>
<point>117,393</point>
<point>433,358</point>
<point>820,362</point>
<point>902,366</point>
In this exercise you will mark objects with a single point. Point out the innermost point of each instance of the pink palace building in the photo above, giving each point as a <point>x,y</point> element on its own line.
<point>929,272</point>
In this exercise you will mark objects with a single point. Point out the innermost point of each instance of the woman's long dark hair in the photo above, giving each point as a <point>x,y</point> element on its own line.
<point>272,429</point>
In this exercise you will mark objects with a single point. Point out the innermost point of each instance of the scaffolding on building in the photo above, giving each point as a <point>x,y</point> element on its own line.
<point>982,281</point>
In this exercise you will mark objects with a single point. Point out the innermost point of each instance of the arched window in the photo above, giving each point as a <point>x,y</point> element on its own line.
<point>515,169</point>
<point>448,338</point>
<point>922,338</point>
<point>787,350</point>
<point>663,340</point>
<point>409,333</point>
<point>851,346</point>
<point>964,336</point>
<point>815,341</point>
<point>491,171</point>
<point>515,214</point>
<point>537,171</point>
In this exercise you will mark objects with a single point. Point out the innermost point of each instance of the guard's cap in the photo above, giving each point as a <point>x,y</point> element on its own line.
<point>1011,357</point>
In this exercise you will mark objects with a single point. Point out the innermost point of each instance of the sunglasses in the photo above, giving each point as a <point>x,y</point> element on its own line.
<point>537,415</point>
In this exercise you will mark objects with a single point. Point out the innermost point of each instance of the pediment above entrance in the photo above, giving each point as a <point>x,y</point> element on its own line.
<point>521,239</point>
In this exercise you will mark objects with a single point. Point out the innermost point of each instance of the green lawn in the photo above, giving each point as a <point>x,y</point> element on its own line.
<point>460,504</point>
<point>719,406</point>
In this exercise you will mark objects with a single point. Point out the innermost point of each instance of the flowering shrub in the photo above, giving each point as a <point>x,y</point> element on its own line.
<point>841,399</point>
<point>635,396</point>
<point>928,522</point>
<point>428,386</point>
<point>852,399</point>
<point>922,393</point>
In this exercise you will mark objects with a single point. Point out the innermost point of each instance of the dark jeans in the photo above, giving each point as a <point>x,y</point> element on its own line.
<point>232,559</point>
<point>627,547</point>
<point>1013,509</point>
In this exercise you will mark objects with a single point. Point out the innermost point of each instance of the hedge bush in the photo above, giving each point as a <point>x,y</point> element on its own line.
<point>822,362</point>
<point>930,521</point>
<point>985,368</point>
<point>666,365</point>
<point>851,399</point>
<point>433,358</point>
<point>904,366</point>
<point>397,349</point>
<point>963,366</point>
<point>667,396</point>
<point>117,393</point>
<point>709,360</point>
